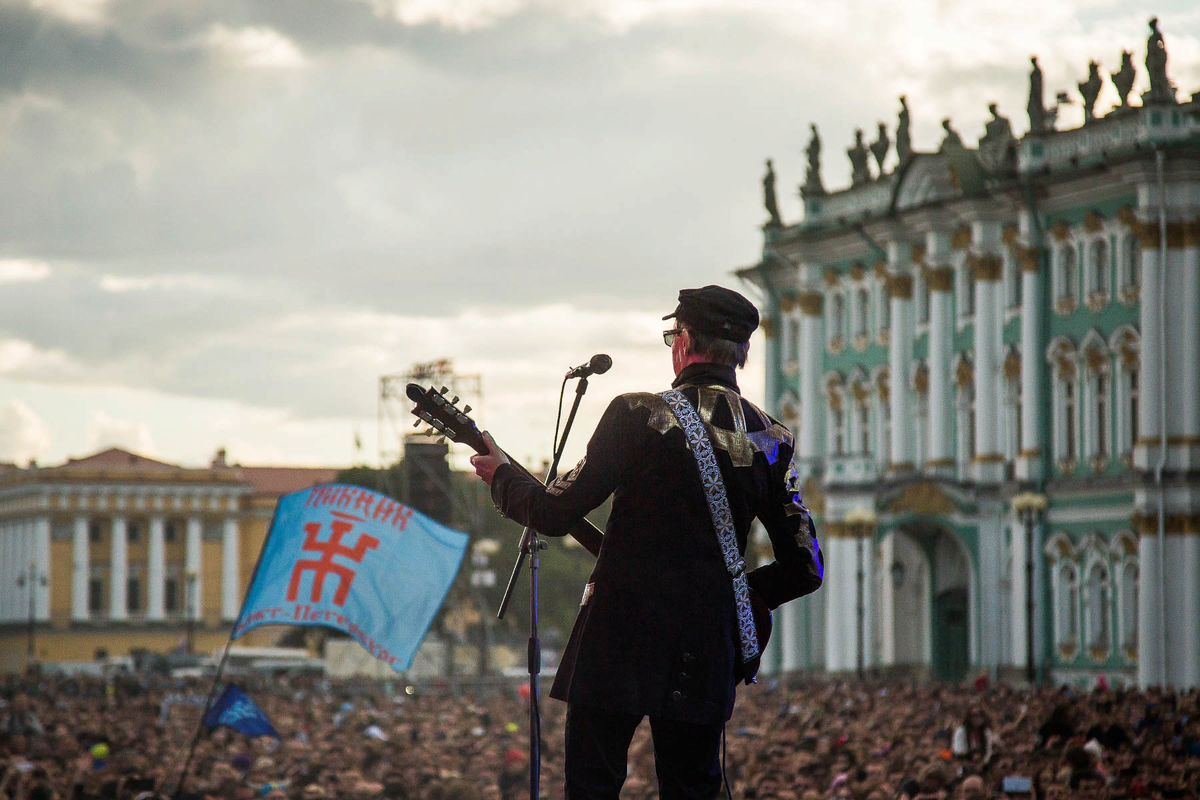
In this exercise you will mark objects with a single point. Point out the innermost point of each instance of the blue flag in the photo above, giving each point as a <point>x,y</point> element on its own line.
<point>356,560</point>
<point>235,709</point>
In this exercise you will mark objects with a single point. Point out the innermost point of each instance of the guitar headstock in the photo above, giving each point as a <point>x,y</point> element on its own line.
<point>444,417</point>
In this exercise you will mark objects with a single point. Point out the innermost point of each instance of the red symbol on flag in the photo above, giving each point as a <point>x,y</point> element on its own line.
<point>326,565</point>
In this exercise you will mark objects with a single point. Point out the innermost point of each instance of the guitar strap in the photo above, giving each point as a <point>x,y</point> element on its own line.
<point>718,507</point>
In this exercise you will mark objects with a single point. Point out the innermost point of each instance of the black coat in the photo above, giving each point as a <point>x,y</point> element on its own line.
<point>657,632</point>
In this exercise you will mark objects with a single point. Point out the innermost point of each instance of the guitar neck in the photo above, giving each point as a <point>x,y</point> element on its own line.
<point>583,532</point>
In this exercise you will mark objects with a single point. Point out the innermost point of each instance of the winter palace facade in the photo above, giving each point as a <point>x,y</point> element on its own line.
<point>990,357</point>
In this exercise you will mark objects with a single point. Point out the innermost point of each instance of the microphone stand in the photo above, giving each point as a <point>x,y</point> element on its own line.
<point>531,543</point>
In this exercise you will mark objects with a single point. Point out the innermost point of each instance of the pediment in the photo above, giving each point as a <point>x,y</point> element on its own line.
<point>922,497</point>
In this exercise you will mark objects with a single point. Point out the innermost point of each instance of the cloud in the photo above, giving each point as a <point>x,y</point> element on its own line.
<point>256,47</point>
<point>23,434</point>
<point>13,270</point>
<point>105,431</point>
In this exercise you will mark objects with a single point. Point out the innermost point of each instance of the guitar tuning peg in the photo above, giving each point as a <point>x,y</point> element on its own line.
<point>444,390</point>
<point>442,440</point>
<point>417,424</point>
<point>466,409</point>
<point>455,400</point>
<point>429,432</point>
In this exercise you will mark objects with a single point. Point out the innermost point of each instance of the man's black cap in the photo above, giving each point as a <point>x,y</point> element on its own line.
<point>718,312</point>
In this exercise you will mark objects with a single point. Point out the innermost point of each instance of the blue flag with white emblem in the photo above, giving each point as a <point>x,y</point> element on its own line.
<point>356,560</point>
<point>234,709</point>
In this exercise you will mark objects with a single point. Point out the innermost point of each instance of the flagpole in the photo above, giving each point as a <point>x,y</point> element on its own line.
<point>212,690</point>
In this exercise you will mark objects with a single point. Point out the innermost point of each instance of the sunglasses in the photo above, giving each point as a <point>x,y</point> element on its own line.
<point>669,336</point>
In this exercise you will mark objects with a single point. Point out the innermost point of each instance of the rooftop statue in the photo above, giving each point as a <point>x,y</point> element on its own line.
<point>1123,80</point>
<point>952,140</point>
<point>1161,90</point>
<point>1089,91</point>
<point>860,160</point>
<point>997,148</point>
<point>1038,120</point>
<point>880,147</point>
<point>812,176</point>
<point>772,207</point>
<point>903,134</point>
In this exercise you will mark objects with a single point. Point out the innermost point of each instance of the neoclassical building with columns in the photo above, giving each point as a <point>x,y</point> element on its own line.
<point>990,356</point>
<point>117,552</point>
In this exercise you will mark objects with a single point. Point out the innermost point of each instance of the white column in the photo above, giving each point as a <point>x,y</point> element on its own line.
<point>1029,464</point>
<point>903,313</point>
<point>812,405</point>
<point>118,571</point>
<point>155,605</point>
<point>1019,627</point>
<point>1183,609</point>
<point>41,560</point>
<point>81,569</point>
<point>1149,386</point>
<point>886,612</point>
<point>1189,341</point>
<point>789,619</point>
<point>1150,631</point>
<point>941,391</point>
<point>989,459</point>
<point>231,588</point>
<point>192,567</point>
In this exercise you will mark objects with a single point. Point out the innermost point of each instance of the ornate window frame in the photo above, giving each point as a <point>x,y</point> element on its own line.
<point>1125,346</point>
<point>920,388</point>
<point>1013,397</point>
<point>1063,556</point>
<point>1064,363</point>
<point>860,433</point>
<point>1065,277</point>
<point>964,381</point>
<point>1096,597</point>
<point>1097,402</point>
<point>1097,271</point>
<point>1129,272</point>
<point>1126,592</point>
<point>882,414</point>
<point>836,429</point>
<point>835,328</point>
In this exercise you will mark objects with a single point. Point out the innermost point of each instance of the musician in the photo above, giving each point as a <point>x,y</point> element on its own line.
<point>657,634</point>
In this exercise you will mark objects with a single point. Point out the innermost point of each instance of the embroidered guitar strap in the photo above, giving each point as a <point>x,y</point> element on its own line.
<point>718,507</point>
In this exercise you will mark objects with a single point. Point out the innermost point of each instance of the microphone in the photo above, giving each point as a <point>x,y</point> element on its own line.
<point>597,365</point>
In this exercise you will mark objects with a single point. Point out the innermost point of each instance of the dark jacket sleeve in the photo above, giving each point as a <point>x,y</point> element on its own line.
<point>797,569</point>
<point>553,510</point>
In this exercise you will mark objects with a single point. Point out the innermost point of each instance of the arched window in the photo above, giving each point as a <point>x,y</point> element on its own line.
<point>837,317</point>
<point>1098,614</point>
<point>1068,278</point>
<point>864,428</point>
<point>1131,264</point>
<point>885,308</point>
<point>1101,411</point>
<point>1070,581</point>
<point>862,306</point>
<point>1128,606</point>
<point>1132,411</point>
<point>1068,414</point>
<point>1098,276</point>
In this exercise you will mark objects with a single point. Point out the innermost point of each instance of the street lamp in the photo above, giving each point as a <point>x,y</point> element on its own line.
<point>1029,506</point>
<point>32,580</point>
<point>861,521</point>
<point>190,611</point>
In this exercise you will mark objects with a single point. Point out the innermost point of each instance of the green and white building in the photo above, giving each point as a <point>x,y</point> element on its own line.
<point>982,323</point>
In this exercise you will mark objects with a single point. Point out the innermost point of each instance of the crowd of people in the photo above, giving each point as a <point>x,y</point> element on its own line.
<point>127,738</point>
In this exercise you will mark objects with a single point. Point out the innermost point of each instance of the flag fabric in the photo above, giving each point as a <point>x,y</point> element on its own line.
<point>234,709</point>
<point>356,560</point>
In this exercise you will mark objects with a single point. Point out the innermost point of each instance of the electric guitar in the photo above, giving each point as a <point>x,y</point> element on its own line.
<point>443,416</point>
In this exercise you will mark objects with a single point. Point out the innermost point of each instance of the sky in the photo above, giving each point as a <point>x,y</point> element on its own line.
<point>221,222</point>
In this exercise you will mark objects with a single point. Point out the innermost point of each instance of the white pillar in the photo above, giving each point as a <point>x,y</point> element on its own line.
<point>231,588</point>
<point>903,313</point>
<point>41,561</point>
<point>1183,609</point>
<point>155,597</point>
<point>1188,354</point>
<point>1029,463</point>
<point>941,392</point>
<point>191,566</point>
<point>1150,630</point>
<point>118,582</point>
<point>886,611</point>
<point>1019,629</point>
<point>81,569</point>
<point>1149,385</point>
<point>789,619</point>
<point>989,458</point>
<point>812,405</point>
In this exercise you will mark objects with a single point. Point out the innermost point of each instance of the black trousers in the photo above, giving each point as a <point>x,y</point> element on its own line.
<point>686,755</point>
